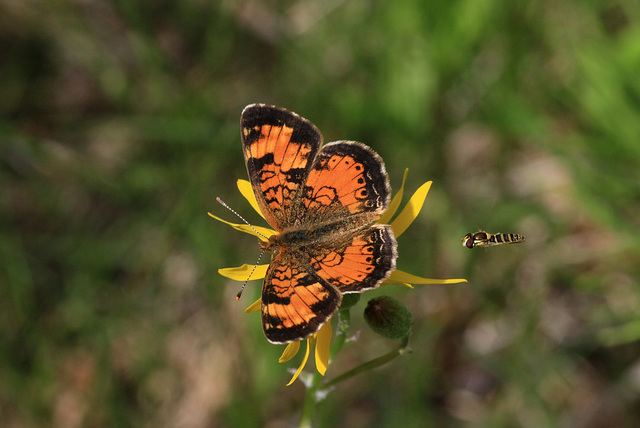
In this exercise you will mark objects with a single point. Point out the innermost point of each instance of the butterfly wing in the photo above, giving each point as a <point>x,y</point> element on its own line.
<point>347,180</point>
<point>279,148</point>
<point>347,189</point>
<point>296,301</point>
<point>358,261</point>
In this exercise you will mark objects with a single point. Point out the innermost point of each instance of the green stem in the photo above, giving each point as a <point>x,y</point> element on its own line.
<point>312,398</point>
<point>344,323</point>
<point>310,402</point>
<point>370,365</point>
<point>315,393</point>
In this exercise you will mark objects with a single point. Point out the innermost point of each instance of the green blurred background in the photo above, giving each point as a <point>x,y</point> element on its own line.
<point>119,126</point>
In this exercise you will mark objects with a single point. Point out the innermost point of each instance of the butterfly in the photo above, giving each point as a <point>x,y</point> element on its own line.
<point>323,202</point>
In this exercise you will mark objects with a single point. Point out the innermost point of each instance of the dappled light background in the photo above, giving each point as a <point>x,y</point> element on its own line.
<point>119,126</point>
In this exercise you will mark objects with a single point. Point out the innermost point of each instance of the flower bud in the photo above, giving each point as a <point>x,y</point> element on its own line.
<point>388,317</point>
<point>349,300</point>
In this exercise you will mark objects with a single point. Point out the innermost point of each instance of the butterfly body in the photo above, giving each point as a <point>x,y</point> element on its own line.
<point>322,201</point>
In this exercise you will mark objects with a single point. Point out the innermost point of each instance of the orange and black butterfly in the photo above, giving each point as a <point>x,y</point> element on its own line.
<point>484,239</point>
<point>323,201</point>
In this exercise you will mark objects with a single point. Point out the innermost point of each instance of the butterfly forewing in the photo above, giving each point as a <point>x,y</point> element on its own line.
<point>346,178</point>
<point>279,148</point>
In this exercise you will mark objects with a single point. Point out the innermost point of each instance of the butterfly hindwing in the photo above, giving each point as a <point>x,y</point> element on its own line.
<point>296,302</point>
<point>359,261</point>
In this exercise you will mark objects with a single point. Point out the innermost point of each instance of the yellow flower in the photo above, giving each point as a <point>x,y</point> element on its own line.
<point>322,338</point>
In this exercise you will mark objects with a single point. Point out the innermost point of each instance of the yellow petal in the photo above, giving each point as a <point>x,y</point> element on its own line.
<point>254,307</point>
<point>241,273</point>
<point>402,284</point>
<point>264,232</point>
<point>289,352</point>
<point>400,276</point>
<point>411,210</point>
<point>310,342</point>
<point>322,347</point>
<point>247,191</point>
<point>395,203</point>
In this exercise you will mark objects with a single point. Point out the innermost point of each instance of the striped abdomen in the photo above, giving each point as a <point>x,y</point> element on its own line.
<point>484,239</point>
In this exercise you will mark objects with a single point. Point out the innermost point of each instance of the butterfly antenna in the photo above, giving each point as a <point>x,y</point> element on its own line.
<point>247,280</point>
<point>224,204</point>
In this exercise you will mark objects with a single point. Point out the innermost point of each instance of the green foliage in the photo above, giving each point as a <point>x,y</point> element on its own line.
<point>119,125</point>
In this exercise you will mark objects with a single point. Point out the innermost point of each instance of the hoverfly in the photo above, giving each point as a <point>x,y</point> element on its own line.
<point>484,239</point>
